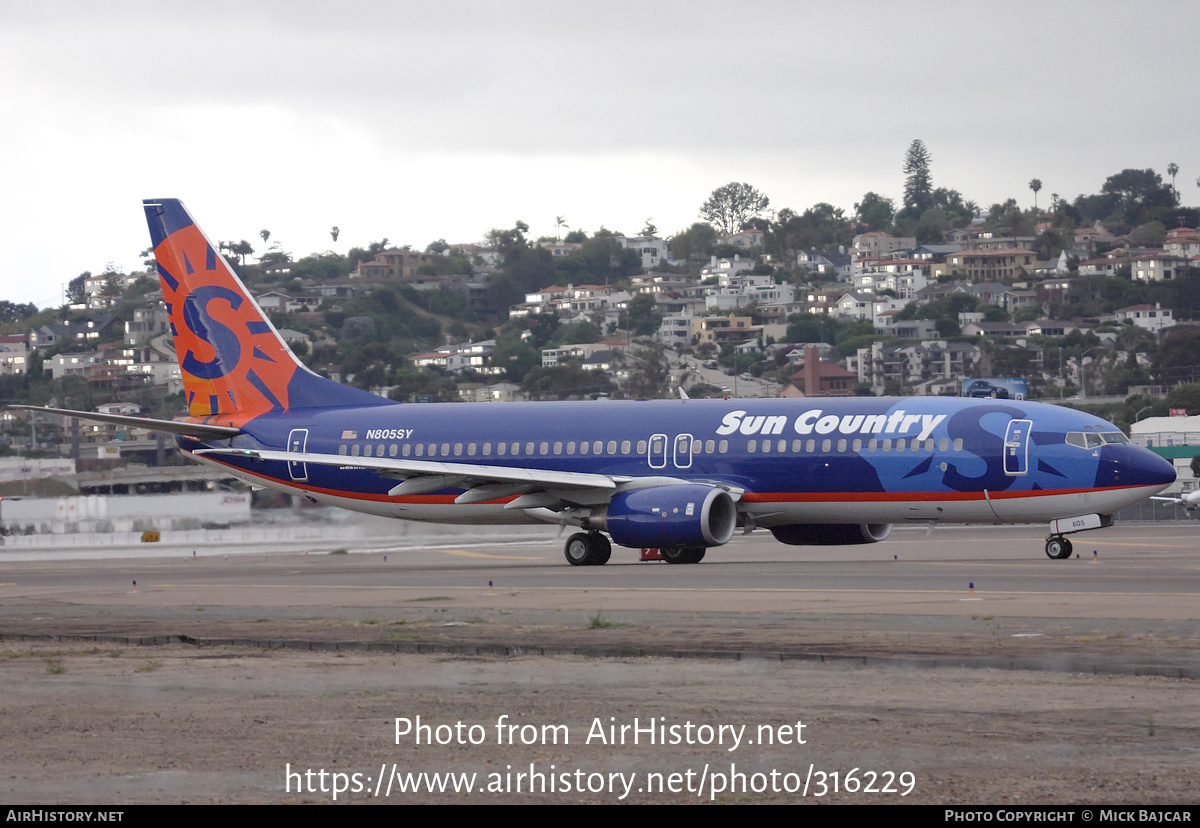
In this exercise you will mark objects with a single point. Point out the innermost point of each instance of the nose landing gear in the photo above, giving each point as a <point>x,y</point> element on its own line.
<point>1058,548</point>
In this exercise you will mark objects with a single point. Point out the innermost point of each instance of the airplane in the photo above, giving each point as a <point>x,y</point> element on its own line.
<point>680,475</point>
<point>1190,501</point>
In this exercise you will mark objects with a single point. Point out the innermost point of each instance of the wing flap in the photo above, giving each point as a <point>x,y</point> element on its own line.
<point>395,467</point>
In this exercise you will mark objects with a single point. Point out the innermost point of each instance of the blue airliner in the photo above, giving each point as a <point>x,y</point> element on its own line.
<point>679,475</point>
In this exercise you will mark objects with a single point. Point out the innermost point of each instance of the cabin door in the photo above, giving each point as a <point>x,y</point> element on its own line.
<point>297,440</point>
<point>1016,448</point>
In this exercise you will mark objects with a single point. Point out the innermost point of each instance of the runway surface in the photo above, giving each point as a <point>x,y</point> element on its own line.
<point>1128,601</point>
<point>218,676</point>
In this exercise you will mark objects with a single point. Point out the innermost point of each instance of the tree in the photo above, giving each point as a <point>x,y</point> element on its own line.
<point>875,211</point>
<point>1035,185</point>
<point>266,234</point>
<point>918,184</point>
<point>1173,170</point>
<point>334,232</point>
<point>76,288</point>
<point>559,223</point>
<point>731,206</point>
<point>241,249</point>
<point>650,229</point>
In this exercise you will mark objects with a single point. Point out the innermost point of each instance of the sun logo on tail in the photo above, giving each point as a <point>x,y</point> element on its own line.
<point>231,357</point>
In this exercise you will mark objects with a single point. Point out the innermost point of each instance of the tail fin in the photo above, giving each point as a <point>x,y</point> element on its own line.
<point>232,359</point>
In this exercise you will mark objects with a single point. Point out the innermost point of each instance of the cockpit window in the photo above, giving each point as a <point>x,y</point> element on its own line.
<point>1091,440</point>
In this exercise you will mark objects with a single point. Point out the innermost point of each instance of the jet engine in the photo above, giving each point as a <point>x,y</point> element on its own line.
<point>831,534</point>
<point>684,515</point>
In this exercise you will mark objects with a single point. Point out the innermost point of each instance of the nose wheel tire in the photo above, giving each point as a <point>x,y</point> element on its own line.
<point>1058,548</point>
<point>587,549</point>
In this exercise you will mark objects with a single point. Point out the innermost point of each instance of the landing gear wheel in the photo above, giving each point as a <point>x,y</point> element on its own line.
<point>603,549</point>
<point>682,555</point>
<point>578,550</point>
<point>1058,548</point>
<point>587,549</point>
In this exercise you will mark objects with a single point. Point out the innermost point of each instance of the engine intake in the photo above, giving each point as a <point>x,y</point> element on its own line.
<point>831,534</point>
<point>685,515</point>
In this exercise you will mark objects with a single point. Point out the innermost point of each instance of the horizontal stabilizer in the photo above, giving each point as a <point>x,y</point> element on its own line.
<point>200,431</point>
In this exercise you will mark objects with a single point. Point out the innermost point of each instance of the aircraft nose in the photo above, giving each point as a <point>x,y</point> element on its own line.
<point>1152,469</point>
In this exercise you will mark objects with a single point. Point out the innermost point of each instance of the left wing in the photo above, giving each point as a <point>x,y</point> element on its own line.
<point>536,488</point>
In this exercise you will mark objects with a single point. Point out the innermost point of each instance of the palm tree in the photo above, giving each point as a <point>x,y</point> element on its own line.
<point>334,231</point>
<point>559,223</point>
<point>1173,170</point>
<point>1035,185</point>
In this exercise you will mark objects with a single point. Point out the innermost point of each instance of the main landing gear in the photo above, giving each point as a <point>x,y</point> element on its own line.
<point>683,555</point>
<point>587,549</point>
<point>1058,548</point>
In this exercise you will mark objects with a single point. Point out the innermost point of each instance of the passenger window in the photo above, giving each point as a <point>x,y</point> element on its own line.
<point>420,450</point>
<point>571,447</point>
<point>766,446</point>
<point>752,446</point>
<point>487,449</point>
<point>354,450</point>
<point>342,449</point>
<point>558,448</point>
<point>697,447</point>
<point>367,450</point>
<point>392,449</point>
<point>797,446</point>
<point>407,450</point>
<point>900,444</point>
<point>641,447</point>
<point>723,446</point>
<point>501,449</point>
<point>529,448</point>
<point>470,449</point>
<point>929,444</point>
<point>710,446</point>
<point>626,446</point>
<point>445,449</point>
<point>943,444</point>
<point>826,445</point>
<point>612,446</point>
<point>857,445</point>
<point>583,447</point>
<point>516,449</point>
<point>545,448</point>
<point>781,445</point>
<point>841,445</point>
<point>458,449</point>
<point>433,449</point>
<point>872,444</point>
<point>958,444</point>
<point>598,447</point>
<point>887,444</point>
<point>811,447</point>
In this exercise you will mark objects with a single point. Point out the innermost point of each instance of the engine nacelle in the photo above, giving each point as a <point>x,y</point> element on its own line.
<point>684,515</point>
<point>831,534</point>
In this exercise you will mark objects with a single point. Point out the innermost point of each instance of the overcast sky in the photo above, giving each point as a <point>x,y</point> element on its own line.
<point>418,120</point>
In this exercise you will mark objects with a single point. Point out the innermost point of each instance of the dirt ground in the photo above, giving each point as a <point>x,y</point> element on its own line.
<point>107,722</point>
